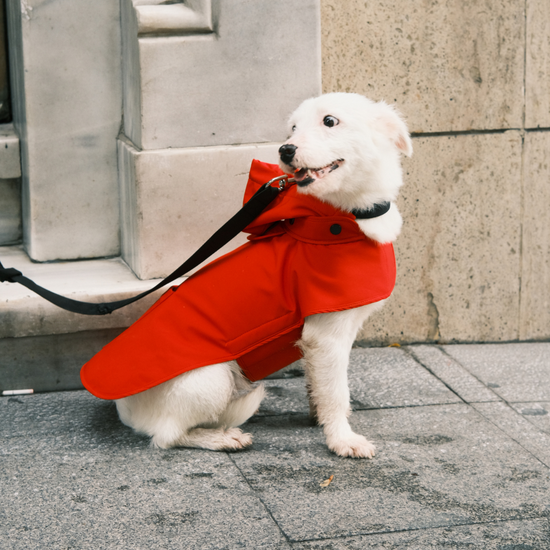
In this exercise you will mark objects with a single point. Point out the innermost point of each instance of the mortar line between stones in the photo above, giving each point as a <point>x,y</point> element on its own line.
<point>521,226</point>
<point>500,400</point>
<point>382,408</point>
<point>476,132</point>
<point>511,436</point>
<point>522,168</point>
<point>362,344</point>
<point>444,351</point>
<point>411,354</point>
<point>419,529</point>
<point>524,109</point>
<point>286,537</point>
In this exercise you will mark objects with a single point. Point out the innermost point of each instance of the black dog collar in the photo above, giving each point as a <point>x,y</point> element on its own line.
<point>374,212</point>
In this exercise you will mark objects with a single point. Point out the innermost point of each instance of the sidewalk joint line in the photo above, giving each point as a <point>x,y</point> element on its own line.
<point>286,537</point>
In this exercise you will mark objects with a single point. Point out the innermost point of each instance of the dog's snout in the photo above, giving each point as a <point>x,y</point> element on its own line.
<point>287,152</point>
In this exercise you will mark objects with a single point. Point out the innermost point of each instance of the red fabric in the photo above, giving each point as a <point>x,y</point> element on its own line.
<point>250,304</point>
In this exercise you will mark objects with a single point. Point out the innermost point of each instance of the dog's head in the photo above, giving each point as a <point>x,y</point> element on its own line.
<point>345,149</point>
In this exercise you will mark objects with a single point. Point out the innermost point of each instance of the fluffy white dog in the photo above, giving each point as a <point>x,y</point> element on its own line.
<point>345,150</point>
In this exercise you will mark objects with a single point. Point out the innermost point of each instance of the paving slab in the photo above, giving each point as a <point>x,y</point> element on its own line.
<point>437,466</point>
<point>379,378</point>
<point>101,486</point>
<point>446,475</point>
<point>285,396</point>
<point>507,535</point>
<point>389,377</point>
<point>516,372</point>
<point>537,413</point>
<point>452,374</point>
<point>518,427</point>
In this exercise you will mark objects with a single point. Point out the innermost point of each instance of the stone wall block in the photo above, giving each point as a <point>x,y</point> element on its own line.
<point>174,199</point>
<point>235,85</point>
<point>66,89</point>
<point>449,65</point>
<point>458,256</point>
<point>537,75</point>
<point>535,277</point>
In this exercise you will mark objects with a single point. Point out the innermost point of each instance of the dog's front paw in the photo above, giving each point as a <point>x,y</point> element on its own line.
<point>353,445</point>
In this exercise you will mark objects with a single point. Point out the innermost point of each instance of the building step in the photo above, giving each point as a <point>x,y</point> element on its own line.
<point>42,347</point>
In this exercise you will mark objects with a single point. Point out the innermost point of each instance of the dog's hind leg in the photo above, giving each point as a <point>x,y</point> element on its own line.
<point>188,411</point>
<point>326,343</point>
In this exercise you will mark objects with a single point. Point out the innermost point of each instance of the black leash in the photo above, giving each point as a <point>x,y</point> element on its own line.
<point>248,213</point>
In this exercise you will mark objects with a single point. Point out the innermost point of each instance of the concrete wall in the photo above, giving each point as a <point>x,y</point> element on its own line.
<point>472,78</point>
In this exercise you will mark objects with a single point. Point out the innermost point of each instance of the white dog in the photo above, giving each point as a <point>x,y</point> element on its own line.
<point>344,150</point>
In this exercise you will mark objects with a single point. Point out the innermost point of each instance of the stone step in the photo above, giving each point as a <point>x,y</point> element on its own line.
<point>42,347</point>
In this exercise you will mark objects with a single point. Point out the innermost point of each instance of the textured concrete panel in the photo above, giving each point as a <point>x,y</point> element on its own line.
<point>388,377</point>
<point>67,104</point>
<point>535,272</point>
<point>537,414</point>
<point>10,163</point>
<point>379,378</point>
<point>91,483</point>
<point>449,65</point>
<point>458,256</point>
<point>236,85</point>
<point>49,363</point>
<point>509,535</point>
<point>436,466</point>
<point>528,435</point>
<point>10,211</point>
<point>516,372</point>
<point>537,60</point>
<point>174,199</point>
<point>452,374</point>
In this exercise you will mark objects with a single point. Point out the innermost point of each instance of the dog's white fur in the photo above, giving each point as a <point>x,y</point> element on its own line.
<point>203,407</point>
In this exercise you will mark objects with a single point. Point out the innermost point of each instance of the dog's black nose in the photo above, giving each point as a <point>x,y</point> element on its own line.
<point>287,152</point>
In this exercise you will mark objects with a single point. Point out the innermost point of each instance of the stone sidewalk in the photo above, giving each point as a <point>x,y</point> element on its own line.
<point>463,438</point>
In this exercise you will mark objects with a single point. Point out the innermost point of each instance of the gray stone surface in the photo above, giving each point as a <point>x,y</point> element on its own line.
<point>518,427</point>
<point>448,65</point>
<point>458,259</point>
<point>285,397</point>
<point>436,466</point>
<point>451,373</point>
<point>10,163</point>
<point>538,413</point>
<point>173,200</point>
<point>235,85</point>
<point>502,535</point>
<point>23,313</point>
<point>388,377</point>
<point>67,109</point>
<point>102,487</point>
<point>515,372</point>
<point>49,363</point>
<point>537,64</point>
<point>10,211</point>
<point>535,260</point>
<point>445,475</point>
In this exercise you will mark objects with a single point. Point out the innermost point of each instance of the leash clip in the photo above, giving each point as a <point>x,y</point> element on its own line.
<point>283,180</point>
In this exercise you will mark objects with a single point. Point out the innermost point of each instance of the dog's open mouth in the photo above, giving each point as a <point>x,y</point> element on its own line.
<point>305,176</point>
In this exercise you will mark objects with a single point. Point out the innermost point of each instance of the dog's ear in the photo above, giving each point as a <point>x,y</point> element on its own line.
<point>392,124</point>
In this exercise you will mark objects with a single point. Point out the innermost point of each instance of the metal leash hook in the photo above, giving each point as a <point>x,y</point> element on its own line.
<point>283,180</point>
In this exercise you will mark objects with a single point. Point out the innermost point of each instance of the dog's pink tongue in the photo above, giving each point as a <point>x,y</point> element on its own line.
<point>301,174</point>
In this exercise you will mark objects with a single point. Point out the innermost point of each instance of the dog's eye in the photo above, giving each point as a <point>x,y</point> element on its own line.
<point>330,121</point>
<point>294,128</point>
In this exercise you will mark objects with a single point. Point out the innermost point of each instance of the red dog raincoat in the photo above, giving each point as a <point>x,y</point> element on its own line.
<point>250,305</point>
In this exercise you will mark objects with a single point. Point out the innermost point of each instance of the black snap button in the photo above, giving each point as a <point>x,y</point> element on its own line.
<point>336,229</point>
